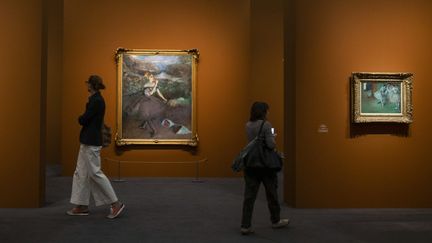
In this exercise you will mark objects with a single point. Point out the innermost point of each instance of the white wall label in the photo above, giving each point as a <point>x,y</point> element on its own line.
<point>323,128</point>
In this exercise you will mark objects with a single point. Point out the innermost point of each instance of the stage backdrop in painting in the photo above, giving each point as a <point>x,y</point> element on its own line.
<point>156,97</point>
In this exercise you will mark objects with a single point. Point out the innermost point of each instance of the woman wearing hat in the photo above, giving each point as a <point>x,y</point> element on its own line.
<point>88,177</point>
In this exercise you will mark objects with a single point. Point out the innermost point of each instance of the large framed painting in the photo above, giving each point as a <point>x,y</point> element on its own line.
<point>156,97</point>
<point>381,97</point>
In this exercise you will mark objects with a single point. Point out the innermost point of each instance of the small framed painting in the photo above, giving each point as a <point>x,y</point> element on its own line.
<point>381,97</point>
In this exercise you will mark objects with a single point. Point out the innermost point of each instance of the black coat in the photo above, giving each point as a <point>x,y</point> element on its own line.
<point>92,121</point>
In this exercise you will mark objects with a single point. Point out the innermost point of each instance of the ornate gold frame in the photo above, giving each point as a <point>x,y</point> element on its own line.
<point>405,80</point>
<point>119,58</point>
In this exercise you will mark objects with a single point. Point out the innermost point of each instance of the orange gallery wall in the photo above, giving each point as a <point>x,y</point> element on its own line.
<point>54,35</point>
<point>20,31</point>
<point>267,68</point>
<point>93,30</point>
<point>366,165</point>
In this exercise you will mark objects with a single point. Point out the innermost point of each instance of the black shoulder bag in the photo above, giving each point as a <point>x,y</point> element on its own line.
<point>251,155</point>
<point>106,135</point>
<point>256,154</point>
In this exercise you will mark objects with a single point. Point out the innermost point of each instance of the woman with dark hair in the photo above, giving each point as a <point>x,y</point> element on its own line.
<point>256,173</point>
<point>88,178</point>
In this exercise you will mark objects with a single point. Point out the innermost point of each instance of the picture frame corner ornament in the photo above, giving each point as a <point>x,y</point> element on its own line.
<point>119,51</point>
<point>194,52</point>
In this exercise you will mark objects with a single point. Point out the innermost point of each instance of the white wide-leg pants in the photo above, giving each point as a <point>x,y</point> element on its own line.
<point>89,179</point>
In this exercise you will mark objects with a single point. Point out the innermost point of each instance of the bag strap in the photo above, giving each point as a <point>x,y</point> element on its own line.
<point>262,124</point>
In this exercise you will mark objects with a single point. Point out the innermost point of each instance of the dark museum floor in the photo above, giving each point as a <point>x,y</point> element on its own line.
<point>179,210</point>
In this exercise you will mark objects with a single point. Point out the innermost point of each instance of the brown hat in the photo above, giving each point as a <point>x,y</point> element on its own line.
<point>96,82</point>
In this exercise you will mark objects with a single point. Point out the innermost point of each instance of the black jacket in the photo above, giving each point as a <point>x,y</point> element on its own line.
<point>92,121</point>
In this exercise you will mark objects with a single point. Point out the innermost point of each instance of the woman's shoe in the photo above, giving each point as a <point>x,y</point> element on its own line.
<point>282,223</point>
<point>115,211</point>
<point>246,231</point>
<point>77,211</point>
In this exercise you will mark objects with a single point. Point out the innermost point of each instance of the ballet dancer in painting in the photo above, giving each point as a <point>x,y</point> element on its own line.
<point>150,106</point>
